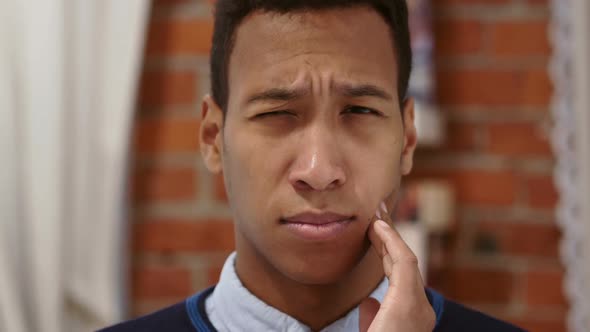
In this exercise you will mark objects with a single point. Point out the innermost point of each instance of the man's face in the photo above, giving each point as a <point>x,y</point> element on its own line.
<point>313,138</point>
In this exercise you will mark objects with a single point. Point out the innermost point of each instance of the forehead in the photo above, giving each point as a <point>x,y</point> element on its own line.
<point>349,44</point>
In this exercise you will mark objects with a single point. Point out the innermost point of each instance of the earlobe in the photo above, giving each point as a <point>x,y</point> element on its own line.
<point>410,137</point>
<point>211,135</point>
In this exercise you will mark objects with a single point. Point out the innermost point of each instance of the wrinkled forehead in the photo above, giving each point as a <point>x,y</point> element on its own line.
<point>344,45</point>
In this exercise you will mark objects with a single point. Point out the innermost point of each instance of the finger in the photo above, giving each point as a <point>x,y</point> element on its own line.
<point>367,311</point>
<point>397,249</point>
<point>378,245</point>
<point>406,293</point>
<point>376,242</point>
<point>380,213</point>
<point>393,250</point>
<point>393,243</point>
<point>384,214</point>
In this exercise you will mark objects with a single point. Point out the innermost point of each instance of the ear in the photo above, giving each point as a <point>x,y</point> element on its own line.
<point>211,135</point>
<point>410,137</point>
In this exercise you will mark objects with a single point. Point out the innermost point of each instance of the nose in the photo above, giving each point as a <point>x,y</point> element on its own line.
<point>318,165</point>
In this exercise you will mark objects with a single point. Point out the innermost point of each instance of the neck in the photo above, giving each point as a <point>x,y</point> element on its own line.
<point>314,305</point>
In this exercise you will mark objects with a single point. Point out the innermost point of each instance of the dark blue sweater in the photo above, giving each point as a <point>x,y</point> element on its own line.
<point>190,316</point>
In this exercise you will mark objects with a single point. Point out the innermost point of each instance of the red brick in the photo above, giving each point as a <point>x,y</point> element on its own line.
<point>519,38</point>
<point>518,139</point>
<point>220,192</point>
<point>176,236</point>
<point>542,192</point>
<point>462,136</point>
<point>169,135</point>
<point>544,288</point>
<point>457,37</point>
<point>213,274</point>
<point>475,285</point>
<point>522,239</point>
<point>167,88</point>
<point>468,87</point>
<point>155,282</point>
<point>485,187</point>
<point>176,36</point>
<point>160,183</point>
<point>475,187</point>
<point>423,171</point>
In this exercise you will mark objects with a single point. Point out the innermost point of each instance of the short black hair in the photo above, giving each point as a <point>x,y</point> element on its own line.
<point>230,13</point>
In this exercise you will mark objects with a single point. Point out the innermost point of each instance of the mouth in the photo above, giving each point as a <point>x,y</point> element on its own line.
<point>317,227</point>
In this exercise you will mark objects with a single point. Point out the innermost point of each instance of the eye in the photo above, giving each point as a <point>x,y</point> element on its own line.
<point>361,110</point>
<point>273,114</point>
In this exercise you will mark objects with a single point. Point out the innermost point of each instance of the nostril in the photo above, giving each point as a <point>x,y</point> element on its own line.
<point>334,184</point>
<point>302,185</point>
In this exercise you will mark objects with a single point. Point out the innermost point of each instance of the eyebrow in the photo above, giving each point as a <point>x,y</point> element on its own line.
<point>277,94</point>
<point>362,90</point>
<point>347,90</point>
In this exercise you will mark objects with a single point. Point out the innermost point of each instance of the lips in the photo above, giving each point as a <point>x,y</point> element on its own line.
<point>317,218</point>
<point>314,226</point>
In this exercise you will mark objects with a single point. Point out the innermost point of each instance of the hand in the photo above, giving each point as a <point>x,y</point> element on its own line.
<point>405,307</point>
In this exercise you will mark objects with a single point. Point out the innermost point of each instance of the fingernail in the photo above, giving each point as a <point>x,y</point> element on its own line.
<point>378,214</point>
<point>382,223</point>
<point>383,207</point>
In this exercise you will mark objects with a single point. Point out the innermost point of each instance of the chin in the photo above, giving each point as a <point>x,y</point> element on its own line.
<point>322,266</point>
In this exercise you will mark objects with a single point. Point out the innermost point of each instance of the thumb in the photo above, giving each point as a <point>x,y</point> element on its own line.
<point>367,312</point>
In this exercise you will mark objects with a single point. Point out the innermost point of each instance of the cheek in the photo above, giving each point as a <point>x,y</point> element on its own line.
<point>245,160</point>
<point>378,184</point>
<point>377,174</point>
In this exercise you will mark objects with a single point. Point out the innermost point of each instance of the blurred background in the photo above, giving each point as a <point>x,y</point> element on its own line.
<point>108,211</point>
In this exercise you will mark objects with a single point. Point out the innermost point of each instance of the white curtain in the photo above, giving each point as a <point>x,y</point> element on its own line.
<point>570,69</point>
<point>68,75</point>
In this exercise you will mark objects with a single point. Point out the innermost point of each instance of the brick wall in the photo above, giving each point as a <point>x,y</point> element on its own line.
<point>493,87</point>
